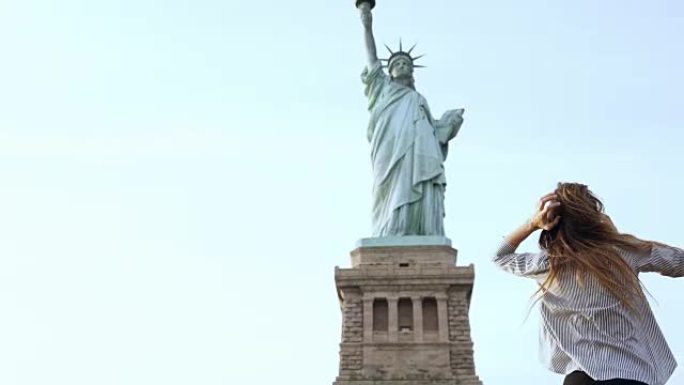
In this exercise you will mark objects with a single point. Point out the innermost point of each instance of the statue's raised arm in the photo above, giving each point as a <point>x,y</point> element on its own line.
<point>367,21</point>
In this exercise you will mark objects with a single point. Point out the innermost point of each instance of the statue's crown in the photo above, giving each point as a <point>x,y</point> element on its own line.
<point>394,55</point>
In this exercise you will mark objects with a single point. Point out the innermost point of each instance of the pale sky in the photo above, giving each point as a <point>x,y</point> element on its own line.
<point>180,178</point>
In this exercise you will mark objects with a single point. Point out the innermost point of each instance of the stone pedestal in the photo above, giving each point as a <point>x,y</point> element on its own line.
<point>405,316</point>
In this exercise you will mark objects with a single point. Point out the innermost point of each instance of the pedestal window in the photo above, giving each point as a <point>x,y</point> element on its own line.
<point>430,319</point>
<point>405,309</point>
<point>380,315</point>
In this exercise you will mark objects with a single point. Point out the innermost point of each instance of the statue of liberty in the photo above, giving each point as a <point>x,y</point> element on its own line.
<point>408,145</point>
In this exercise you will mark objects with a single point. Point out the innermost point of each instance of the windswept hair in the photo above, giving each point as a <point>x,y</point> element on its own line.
<point>586,242</point>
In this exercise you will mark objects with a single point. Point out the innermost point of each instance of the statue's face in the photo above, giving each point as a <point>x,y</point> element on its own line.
<point>402,67</point>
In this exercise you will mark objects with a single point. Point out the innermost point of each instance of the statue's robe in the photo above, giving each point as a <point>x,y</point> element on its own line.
<point>408,149</point>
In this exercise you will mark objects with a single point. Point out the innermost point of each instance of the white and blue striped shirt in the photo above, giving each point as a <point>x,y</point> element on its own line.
<point>584,327</point>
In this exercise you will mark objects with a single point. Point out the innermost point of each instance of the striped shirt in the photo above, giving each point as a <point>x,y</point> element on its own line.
<point>586,328</point>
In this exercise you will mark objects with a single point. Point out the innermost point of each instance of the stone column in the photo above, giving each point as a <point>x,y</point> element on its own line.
<point>368,318</point>
<point>443,317</point>
<point>417,318</point>
<point>393,318</point>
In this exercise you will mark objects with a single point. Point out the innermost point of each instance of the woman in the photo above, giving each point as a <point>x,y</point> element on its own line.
<point>597,326</point>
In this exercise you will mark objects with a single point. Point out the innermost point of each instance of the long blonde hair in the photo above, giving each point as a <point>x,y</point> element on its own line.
<point>585,241</point>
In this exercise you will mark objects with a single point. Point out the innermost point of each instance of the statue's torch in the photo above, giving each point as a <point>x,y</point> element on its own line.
<point>359,2</point>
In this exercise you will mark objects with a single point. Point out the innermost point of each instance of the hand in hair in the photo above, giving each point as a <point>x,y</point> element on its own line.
<point>546,217</point>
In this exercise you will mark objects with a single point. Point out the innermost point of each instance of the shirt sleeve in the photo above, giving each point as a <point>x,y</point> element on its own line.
<point>663,259</point>
<point>522,264</point>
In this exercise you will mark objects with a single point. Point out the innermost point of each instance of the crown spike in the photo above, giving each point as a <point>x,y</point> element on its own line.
<point>411,49</point>
<point>418,57</point>
<point>400,47</point>
<point>389,49</point>
<point>418,66</point>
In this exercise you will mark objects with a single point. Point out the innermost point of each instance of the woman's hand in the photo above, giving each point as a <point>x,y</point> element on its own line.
<point>546,217</point>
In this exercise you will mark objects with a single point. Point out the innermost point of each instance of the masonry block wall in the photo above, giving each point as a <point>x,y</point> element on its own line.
<point>405,318</point>
<point>351,356</point>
